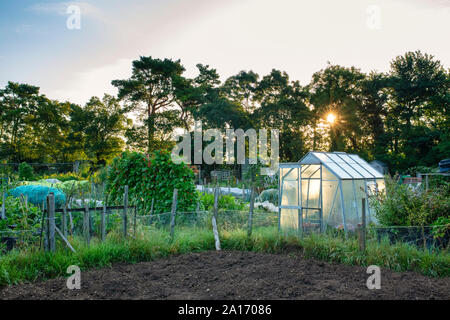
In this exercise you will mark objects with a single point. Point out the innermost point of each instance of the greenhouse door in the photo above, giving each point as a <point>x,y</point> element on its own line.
<point>311,198</point>
<point>289,210</point>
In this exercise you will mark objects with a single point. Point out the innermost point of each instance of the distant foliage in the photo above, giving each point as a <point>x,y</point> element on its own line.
<point>25,171</point>
<point>63,176</point>
<point>150,177</point>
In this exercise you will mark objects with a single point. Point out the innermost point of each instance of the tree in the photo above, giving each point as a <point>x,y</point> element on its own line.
<point>150,89</point>
<point>374,97</point>
<point>33,127</point>
<point>417,105</point>
<point>191,94</point>
<point>17,103</point>
<point>241,88</point>
<point>336,90</point>
<point>101,124</point>
<point>283,106</point>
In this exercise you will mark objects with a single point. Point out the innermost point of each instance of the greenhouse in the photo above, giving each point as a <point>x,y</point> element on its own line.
<point>325,190</point>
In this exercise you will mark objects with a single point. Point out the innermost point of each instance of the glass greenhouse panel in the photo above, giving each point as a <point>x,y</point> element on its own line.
<point>311,171</point>
<point>334,214</point>
<point>289,220</point>
<point>337,170</point>
<point>350,205</point>
<point>290,193</point>
<point>327,174</point>
<point>289,173</point>
<point>366,166</point>
<point>330,195</point>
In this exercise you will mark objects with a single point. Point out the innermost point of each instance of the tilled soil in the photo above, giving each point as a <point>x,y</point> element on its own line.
<point>234,275</point>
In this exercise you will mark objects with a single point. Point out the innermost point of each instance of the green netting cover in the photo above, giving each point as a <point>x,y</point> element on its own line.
<point>37,194</point>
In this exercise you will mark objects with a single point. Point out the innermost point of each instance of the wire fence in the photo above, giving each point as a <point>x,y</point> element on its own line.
<point>98,222</point>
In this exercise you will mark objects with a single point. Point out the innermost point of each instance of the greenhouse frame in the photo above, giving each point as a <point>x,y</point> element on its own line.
<point>325,190</point>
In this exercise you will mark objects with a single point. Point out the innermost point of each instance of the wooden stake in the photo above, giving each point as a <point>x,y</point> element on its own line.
<point>214,219</point>
<point>173,213</point>
<point>103,223</point>
<point>64,221</point>
<point>3,206</point>
<point>86,218</point>
<point>64,239</point>
<point>362,229</point>
<point>250,213</point>
<point>51,222</point>
<point>125,210</point>
<point>135,219</point>
<point>70,219</point>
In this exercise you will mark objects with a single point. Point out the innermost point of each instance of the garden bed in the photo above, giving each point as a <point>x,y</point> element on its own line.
<point>235,275</point>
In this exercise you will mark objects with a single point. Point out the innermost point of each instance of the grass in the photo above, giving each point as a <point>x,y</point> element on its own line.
<point>31,265</point>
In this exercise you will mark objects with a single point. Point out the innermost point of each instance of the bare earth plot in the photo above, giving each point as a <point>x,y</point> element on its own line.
<point>235,275</point>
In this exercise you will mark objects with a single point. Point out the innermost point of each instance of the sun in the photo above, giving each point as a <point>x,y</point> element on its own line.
<point>331,118</point>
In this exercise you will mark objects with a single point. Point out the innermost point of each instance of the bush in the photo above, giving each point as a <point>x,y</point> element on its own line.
<point>401,206</point>
<point>25,171</point>
<point>226,202</point>
<point>152,177</point>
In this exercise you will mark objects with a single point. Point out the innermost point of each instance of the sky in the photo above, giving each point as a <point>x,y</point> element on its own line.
<point>42,44</point>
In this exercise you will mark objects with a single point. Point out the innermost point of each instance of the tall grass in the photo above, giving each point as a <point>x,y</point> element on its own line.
<point>150,244</point>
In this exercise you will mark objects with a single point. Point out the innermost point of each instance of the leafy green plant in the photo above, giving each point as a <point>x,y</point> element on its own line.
<point>150,177</point>
<point>20,217</point>
<point>25,171</point>
<point>226,202</point>
<point>400,206</point>
<point>441,228</point>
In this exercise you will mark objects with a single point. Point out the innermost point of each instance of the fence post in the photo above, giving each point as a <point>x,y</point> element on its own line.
<point>250,213</point>
<point>3,206</point>
<point>51,221</point>
<point>125,210</point>
<point>151,209</point>
<point>243,192</point>
<point>135,219</point>
<point>103,222</point>
<point>64,221</point>
<point>214,219</point>
<point>44,225</point>
<point>173,213</point>
<point>86,222</point>
<point>70,219</point>
<point>362,229</point>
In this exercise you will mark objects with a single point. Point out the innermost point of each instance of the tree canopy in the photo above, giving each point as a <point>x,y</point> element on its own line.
<point>400,117</point>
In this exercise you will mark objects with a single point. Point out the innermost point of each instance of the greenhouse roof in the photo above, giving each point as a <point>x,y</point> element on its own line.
<point>343,165</point>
